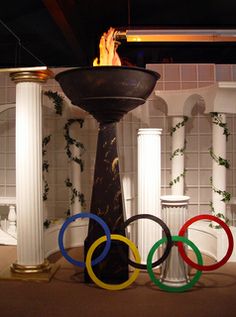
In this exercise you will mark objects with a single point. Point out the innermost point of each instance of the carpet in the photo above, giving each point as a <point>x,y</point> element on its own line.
<point>67,296</point>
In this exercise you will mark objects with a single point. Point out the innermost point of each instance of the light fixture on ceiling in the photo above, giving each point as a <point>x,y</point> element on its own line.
<point>23,69</point>
<point>177,35</point>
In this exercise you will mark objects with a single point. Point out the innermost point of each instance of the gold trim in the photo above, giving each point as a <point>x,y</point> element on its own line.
<point>7,274</point>
<point>31,75</point>
<point>41,268</point>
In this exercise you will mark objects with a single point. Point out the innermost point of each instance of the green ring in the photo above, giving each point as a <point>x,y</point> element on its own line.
<point>158,282</point>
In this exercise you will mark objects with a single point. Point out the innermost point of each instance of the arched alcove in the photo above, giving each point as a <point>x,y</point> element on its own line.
<point>194,103</point>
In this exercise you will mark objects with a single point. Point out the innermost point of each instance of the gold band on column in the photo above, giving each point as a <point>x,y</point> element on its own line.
<point>31,76</point>
<point>41,268</point>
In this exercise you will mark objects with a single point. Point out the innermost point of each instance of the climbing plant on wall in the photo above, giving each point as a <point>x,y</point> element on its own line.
<point>225,195</point>
<point>178,125</point>
<point>217,119</point>
<point>178,151</point>
<point>218,159</point>
<point>177,179</point>
<point>70,141</point>
<point>45,166</point>
<point>75,194</point>
<point>219,215</point>
<point>58,100</point>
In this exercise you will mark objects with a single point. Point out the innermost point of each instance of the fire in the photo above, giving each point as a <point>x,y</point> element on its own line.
<point>107,50</point>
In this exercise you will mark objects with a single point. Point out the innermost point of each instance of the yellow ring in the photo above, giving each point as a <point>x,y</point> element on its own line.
<point>112,287</point>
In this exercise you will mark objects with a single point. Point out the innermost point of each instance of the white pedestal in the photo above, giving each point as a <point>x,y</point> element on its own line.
<point>174,271</point>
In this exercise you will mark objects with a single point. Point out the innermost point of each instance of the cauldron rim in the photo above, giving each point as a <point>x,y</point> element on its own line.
<point>101,68</point>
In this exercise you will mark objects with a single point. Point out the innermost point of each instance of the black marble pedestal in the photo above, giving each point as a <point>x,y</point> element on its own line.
<point>107,203</point>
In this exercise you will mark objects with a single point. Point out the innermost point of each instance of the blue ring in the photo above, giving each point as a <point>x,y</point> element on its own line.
<point>73,218</point>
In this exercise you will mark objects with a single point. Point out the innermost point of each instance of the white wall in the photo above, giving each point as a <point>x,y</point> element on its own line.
<point>153,115</point>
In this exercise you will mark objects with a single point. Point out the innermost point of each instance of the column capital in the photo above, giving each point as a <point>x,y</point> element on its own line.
<point>174,200</point>
<point>40,76</point>
<point>149,131</point>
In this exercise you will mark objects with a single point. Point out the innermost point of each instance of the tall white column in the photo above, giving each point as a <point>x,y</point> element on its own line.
<point>149,187</point>
<point>177,167</point>
<point>218,171</point>
<point>30,243</point>
<point>174,271</point>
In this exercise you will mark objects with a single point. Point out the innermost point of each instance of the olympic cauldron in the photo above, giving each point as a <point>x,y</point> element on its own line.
<point>108,93</point>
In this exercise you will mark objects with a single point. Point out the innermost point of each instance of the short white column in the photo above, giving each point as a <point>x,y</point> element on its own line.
<point>177,166</point>
<point>149,186</point>
<point>30,244</point>
<point>174,271</point>
<point>218,171</point>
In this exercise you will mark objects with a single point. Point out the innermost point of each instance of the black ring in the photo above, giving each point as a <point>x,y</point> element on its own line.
<point>168,237</point>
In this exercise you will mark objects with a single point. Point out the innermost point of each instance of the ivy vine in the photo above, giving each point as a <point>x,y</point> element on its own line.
<point>226,195</point>
<point>219,215</point>
<point>217,119</point>
<point>57,100</point>
<point>179,151</point>
<point>74,194</point>
<point>177,179</point>
<point>178,125</point>
<point>71,141</point>
<point>45,166</point>
<point>58,105</point>
<point>220,160</point>
<point>47,223</point>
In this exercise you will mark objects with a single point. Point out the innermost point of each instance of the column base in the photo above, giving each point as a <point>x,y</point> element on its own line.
<point>41,268</point>
<point>174,283</point>
<point>43,273</point>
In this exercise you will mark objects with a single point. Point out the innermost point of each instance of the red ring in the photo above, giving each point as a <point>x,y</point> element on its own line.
<point>223,260</point>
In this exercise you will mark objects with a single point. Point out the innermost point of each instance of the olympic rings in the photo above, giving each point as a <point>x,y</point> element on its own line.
<point>169,243</point>
<point>112,287</point>
<point>223,260</point>
<point>164,286</point>
<point>84,215</point>
<point>167,233</point>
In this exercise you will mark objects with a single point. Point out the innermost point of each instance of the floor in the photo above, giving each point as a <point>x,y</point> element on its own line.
<point>67,295</point>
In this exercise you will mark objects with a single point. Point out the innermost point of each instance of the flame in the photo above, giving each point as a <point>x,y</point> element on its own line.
<point>107,50</point>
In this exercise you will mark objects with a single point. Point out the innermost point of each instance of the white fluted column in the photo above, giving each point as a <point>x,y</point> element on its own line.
<point>177,167</point>
<point>75,172</point>
<point>30,243</point>
<point>218,171</point>
<point>174,271</point>
<point>149,186</point>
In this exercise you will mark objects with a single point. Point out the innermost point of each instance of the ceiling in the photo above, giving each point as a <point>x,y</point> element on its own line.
<point>67,32</point>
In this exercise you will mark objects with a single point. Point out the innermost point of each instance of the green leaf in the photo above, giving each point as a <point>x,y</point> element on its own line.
<point>57,100</point>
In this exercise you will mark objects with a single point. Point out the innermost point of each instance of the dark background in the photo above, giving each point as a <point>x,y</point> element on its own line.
<point>67,32</point>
